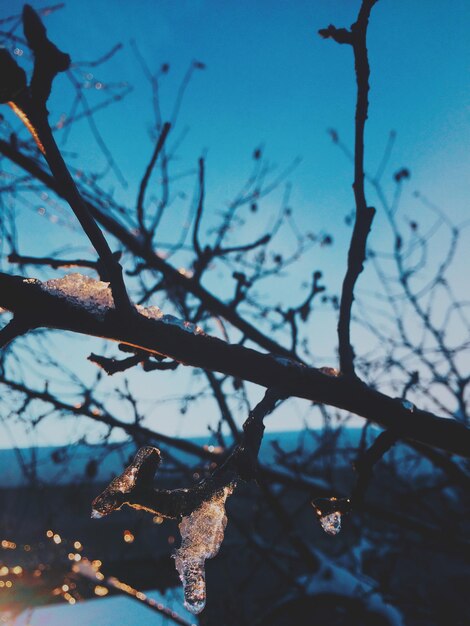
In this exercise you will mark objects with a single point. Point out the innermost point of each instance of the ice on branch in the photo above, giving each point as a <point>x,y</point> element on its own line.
<point>329,512</point>
<point>282,360</point>
<point>143,467</point>
<point>329,371</point>
<point>152,312</point>
<point>93,295</point>
<point>331,523</point>
<point>189,327</point>
<point>202,533</point>
<point>96,297</point>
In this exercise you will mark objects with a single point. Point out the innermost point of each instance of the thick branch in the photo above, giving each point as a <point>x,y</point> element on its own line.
<point>26,297</point>
<point>15,328</point>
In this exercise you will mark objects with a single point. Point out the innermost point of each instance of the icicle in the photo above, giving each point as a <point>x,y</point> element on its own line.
<point>331,523</point>
<point>329,512</point>
<point>202,533</point>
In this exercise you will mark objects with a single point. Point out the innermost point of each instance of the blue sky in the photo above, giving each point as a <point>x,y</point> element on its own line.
<point>271,81</point>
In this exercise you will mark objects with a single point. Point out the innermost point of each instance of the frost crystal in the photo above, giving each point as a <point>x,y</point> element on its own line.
<point>331,523</point>
<point>202,533</point>
<point>409,406</point>
<point>83,291</point>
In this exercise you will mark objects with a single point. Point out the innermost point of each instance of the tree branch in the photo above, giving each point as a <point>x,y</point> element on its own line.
<point>356,37</point>
<point>200,206</point>
<point>134,486</point>
<point>43,309</point>
<point>30,106</point>
<point>145,180</point>
<point>135,245</point>
<point>15,328</point>
<point>22,259</point>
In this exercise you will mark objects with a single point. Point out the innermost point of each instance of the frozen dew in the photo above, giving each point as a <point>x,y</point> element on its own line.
<point>202,533</point>
<point>409,406</point>
<point>331,523</point>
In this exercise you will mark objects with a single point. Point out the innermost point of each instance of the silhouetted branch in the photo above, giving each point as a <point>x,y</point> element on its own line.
<point>134,486</point>
<point>15,328</point>
<point>153,260</point>
<point>244,247</point>
<point>364,465</point>
<point>22,259</point>
<point>145,180</point>
<point>356,37</point>
<point>112,366</point>
<point>199,208</point>
<point>30,105</point>
<point>199,350</point>
<point>219,396</point>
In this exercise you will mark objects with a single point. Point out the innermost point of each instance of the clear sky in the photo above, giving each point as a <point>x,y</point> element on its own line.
<point>270,80</point>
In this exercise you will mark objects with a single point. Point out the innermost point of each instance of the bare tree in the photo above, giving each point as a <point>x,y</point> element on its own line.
<point>233,339</point>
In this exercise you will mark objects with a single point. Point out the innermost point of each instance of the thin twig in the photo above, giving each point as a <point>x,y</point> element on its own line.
<point>200,206</point>
<point>148,171</point>
<point>52,262</point>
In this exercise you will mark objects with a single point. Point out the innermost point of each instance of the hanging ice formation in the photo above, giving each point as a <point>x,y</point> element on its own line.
<point>331,523</point>
<point>202,533</point>
<point>329,512</point>
<point>145,464</point>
